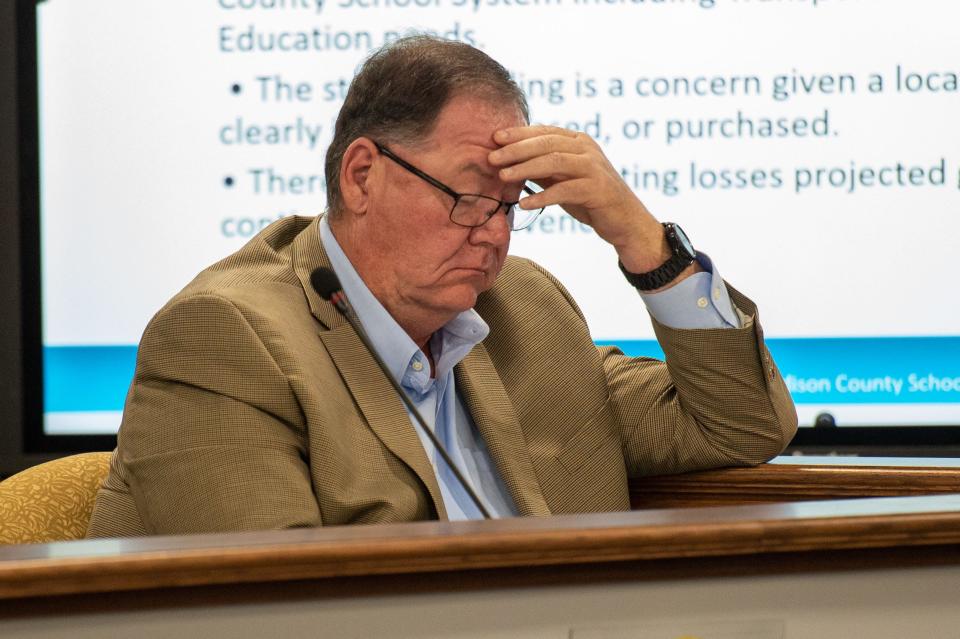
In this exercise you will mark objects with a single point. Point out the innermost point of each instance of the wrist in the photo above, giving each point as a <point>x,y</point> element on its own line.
<point>645,251</point>
<point>679,264</point>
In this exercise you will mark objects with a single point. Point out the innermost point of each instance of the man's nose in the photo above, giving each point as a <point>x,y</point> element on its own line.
<point>496,230</point>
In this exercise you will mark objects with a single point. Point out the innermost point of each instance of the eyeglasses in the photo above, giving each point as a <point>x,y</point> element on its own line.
<point>472,209</point>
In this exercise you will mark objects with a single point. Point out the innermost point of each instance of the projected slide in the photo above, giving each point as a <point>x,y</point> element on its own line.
<point>810,147</point>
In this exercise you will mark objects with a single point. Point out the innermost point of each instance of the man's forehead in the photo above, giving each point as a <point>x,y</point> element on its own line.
<point>470,120</point>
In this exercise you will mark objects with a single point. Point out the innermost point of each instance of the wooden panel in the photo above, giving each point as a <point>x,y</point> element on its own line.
<point>159,562</point>
<point>770,483</point>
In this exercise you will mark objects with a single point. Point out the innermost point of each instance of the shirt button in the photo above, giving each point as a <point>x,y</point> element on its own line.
<point>417,365</point>
<point>702,302</point>
<point>716,294</point>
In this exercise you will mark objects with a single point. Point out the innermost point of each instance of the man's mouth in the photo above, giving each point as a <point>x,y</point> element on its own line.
<point>474,269</point>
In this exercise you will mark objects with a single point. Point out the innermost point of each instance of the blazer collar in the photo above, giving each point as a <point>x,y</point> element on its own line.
<point>307,255</point>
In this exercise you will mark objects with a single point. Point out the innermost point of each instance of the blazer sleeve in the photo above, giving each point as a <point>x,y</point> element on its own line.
<point>718,400</point>
<point>213,438</point>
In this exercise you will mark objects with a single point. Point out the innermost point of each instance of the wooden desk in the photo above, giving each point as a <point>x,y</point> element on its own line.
<point>878,567</point>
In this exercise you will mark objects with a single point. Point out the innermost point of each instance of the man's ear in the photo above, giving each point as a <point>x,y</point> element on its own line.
<point>355,175</point>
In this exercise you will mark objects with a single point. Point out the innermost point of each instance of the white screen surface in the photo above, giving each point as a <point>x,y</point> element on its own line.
<point>811,148</point>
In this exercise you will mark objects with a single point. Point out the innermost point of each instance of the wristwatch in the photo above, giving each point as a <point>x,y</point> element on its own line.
<point>683,255</point>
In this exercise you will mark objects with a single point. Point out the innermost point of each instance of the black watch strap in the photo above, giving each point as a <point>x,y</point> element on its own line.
<point>682,256</point>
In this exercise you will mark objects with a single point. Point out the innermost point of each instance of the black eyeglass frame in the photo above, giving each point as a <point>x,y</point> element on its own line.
<point>458,196</point>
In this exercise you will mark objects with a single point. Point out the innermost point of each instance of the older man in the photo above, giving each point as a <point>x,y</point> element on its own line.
<point>256,406</point>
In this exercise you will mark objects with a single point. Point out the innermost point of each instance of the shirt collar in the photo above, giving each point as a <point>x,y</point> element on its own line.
<point>449,345</point>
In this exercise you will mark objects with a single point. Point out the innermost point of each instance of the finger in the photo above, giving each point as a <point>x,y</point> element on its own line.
<point>552,167</point>
<point>517,133</point>
<point>528,148</point>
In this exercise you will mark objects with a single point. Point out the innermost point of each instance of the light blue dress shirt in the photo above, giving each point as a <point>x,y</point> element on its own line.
<point>700,301</point>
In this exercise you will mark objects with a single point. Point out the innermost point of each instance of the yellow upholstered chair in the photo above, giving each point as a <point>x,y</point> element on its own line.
<point>51,501</point>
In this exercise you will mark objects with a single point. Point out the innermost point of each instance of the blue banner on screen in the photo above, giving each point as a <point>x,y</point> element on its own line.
<point>863,370</point>
<point>820,373</point>
<point>87,378</point>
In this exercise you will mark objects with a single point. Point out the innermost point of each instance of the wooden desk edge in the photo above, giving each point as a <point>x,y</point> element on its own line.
<point>791,482</point>
<point>162,562</point>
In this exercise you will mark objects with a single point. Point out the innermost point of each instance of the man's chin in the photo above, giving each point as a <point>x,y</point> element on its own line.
<point>458,289</point>
<point>455,299</point>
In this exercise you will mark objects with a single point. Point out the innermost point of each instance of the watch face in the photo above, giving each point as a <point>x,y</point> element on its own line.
<point>684,242</point>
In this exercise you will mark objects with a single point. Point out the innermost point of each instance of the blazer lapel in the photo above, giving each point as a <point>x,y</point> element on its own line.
<point>484,395</point>
<point>383,410</point>
<point>381,407</point>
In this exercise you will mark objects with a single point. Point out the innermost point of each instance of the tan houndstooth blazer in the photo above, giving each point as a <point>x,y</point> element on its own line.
<point>254,405</point>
